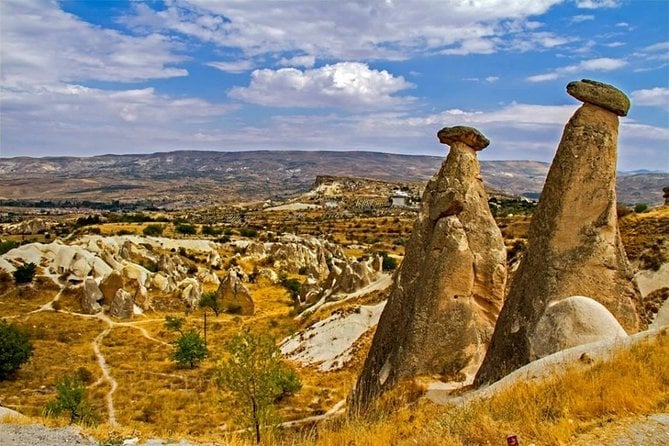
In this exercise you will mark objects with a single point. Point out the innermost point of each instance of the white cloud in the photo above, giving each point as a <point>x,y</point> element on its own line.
<point>239,66</point>
<point>348,30</point>
<point>658,96</point>
<point>491,79</point>
<point>298,61</point>
<point>348,85</point>
<point>582,18</point>
<point>596,4</point>
<point>599,64</point>
<point>43,44</point>
<point>74,118</point>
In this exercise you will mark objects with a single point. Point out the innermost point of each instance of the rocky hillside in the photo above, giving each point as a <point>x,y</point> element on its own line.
<point>194,178</point>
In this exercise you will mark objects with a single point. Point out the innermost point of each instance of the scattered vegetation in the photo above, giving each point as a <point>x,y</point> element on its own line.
<point>389,263</point>
<point>257,377</point>
<point>25,273</point>
<point>72,400</point>
<point>7,245</point>
<point>154,230</point>
<point>640,207</point>
<point>189,349</point>
<point>211,300</point>
<point>185,229</point>
<point>248,232</point>
<point>15,349</point>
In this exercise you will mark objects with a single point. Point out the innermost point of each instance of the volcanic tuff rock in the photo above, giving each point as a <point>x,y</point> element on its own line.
<point>122,305</point>
<point>598,93</point>
<point>573,321</point>
<point>90,296</point>
<point>234,296</point>
<point>450,287</point>
<point>574,245</point>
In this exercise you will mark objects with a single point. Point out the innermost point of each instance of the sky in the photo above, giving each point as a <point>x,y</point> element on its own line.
<point>94,77</point>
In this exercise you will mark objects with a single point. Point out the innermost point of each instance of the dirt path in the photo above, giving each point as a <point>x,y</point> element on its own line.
<point>107,375</point>
<point>96,345</point>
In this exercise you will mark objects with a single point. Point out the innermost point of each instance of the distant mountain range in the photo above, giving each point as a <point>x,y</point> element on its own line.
<point>196,178</point>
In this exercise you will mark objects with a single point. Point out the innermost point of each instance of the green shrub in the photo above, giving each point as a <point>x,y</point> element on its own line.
<point>210,300</point>
<point>7,245</point>
<point>15,349</point>
<point>248,232</point>
<point>388,263</point>
<point>189,349</point>
<point>25,273</point>
<point>256,375</point>
<point>186,229</point>
<point>641,207</point>
<point>71,399</point>
<point>153,230</point>
<point>210,230</point>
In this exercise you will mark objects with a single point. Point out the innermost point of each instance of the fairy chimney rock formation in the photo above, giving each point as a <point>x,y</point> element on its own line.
<point>574,245</point>
<point>450,287</point>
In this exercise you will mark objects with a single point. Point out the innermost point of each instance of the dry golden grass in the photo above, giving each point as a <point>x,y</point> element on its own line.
<point>552,412</point>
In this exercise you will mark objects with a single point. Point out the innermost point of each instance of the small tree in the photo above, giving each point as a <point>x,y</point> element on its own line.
<point>153,230</point>
<point>189,349</point>
<point>388,263</point>
<point>186,229</point>
<point>210,300</point>
<point>256,375</point>
<point>174,323</point>
<point>25,273</point>
<point>71,398</point>
<point>15,349</point>
<point>210,230</point>
<point>641,207</point>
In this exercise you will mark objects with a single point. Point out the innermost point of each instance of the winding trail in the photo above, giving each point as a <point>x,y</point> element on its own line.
<point>97,343</point>
<point>107,375</point>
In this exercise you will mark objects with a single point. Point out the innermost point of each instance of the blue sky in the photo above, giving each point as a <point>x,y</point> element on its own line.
<point>96,77</point>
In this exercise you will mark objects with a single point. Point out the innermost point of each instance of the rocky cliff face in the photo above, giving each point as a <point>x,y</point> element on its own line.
<point>450,287</point>
<point>574,245</point>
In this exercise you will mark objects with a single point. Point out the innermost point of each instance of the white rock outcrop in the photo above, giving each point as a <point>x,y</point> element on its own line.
<point>573,321</point>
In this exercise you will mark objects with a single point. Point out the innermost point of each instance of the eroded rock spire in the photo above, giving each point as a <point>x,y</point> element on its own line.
<point>450,286</point>
<point>574,245</point>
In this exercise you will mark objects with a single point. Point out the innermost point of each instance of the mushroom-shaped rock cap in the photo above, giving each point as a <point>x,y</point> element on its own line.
<point>467,135</point>
<point>598,93</point>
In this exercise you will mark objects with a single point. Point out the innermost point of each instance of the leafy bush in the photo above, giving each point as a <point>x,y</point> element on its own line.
<point>210,300</point>
<point>210,230</point>
<point>189,349</point>
<point>186,229</point>
<point>15,349</point>
<point>25,273</point>
<point>641,207</point>
<point>256,375</point>
<point>294,286</point>
<point>7,245</point>
<point>388,263</point>
<point>248,232</point>
<point>174,323</point>
<point>153,230</point>
<point>71,398</point>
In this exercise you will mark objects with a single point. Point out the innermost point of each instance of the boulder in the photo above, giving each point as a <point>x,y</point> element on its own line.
<point>466,135</point>
<point>122,305</point>
<point>601,94</point>
<point>142,299</point>
<point>110,285</point>
<point>449,288</point>
<point>572,321</point>
<point>574,246</point>
<point>191,291</point>
<point>90,296</point>
<point>234,296</point>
